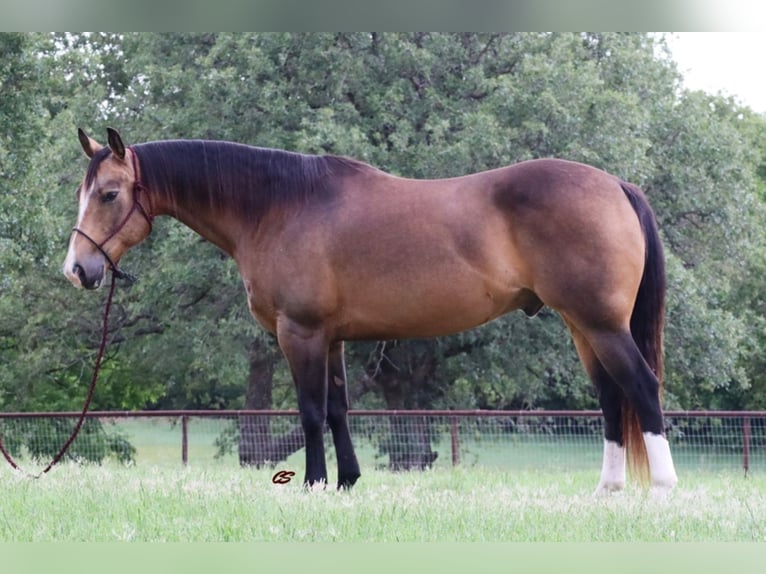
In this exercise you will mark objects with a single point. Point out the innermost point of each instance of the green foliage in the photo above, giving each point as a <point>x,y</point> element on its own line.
<point>419,105</point>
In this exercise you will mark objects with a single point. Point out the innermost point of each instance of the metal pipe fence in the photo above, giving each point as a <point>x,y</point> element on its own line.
<point>397,440</point>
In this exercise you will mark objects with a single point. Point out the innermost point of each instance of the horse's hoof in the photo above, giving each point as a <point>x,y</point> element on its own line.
<point>607,488</point>
<point>345,483</point>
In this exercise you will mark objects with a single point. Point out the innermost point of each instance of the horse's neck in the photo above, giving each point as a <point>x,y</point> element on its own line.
<point>218,227</point>
<point>233,187</point>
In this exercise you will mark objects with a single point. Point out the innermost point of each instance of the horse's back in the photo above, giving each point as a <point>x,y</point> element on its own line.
<point>423,259</point>
<point>397,258</point>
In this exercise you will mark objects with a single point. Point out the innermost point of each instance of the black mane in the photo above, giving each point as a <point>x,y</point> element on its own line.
<point>225,175</point>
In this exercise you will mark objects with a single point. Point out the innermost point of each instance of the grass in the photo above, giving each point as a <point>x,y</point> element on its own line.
<point>223,503</point>
<point>530,490</point>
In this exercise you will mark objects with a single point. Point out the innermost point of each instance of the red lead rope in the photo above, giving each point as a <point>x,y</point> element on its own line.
<point>91,390</point>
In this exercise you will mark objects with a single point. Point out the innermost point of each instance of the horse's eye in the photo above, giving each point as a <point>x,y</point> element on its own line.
<point>109,197</point>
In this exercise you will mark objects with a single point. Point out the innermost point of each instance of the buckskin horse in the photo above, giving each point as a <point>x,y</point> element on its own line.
<point>331,249</point>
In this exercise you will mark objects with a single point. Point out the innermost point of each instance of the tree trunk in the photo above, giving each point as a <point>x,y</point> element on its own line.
<point>409,444</point>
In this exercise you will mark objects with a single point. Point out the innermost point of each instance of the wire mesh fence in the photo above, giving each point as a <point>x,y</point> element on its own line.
<point>395,440</point>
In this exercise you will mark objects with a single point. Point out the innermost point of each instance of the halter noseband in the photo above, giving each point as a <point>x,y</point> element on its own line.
<point>137,206</point>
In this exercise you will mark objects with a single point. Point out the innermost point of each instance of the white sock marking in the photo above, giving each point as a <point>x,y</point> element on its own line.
<point>661,466</point>
<point>612,469</point>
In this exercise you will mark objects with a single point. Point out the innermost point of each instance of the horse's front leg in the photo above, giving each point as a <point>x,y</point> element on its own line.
<point>306,353</point>
<point>337,417</point>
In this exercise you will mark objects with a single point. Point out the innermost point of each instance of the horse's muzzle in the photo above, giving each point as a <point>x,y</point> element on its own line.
<point>81,276</point>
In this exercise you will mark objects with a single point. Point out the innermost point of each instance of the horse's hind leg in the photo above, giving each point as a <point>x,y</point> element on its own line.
<point>337,417</point>
<point>622,360</point>
<point>610,398</point>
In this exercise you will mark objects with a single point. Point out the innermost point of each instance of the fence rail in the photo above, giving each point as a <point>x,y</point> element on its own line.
<point>395,439</point>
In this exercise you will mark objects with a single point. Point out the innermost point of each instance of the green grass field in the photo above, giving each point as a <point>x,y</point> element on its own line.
<point>504,490</point>
<point>220,503</point>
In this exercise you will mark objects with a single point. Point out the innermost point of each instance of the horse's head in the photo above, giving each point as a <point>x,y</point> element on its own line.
<point>112,217</point>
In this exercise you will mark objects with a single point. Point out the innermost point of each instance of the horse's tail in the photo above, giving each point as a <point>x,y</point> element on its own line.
<point>646,324</point>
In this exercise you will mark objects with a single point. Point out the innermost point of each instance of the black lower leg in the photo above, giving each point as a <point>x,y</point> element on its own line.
<point>636,380</point>
<point>312,420</point>
<point>610,398</point>
<point>337,418</point>
<point>306,353</point>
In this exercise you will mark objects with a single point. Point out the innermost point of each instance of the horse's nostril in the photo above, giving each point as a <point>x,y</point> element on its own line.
<point>79,271</point>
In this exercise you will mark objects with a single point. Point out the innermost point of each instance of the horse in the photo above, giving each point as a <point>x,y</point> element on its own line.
<point>331,249</point>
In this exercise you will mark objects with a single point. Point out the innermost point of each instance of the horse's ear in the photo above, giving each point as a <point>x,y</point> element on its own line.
<point>89,146</point>
<point>115,143</point>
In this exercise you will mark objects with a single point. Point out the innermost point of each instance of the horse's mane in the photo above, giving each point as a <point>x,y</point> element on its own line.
<point>250,180</point>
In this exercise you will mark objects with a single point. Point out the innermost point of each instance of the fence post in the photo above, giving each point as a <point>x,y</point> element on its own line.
<point>746,444</point>
<point>455,441</point>
<point>185,439</point>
